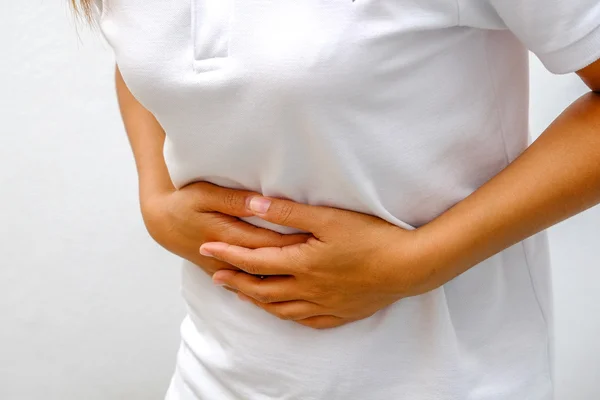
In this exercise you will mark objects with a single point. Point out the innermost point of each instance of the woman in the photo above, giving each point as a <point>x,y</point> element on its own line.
<point>355,174</point>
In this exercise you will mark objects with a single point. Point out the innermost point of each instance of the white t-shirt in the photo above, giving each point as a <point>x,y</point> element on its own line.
<point>397,108</point>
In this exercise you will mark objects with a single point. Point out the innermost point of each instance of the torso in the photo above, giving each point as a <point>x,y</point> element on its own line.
<point>383,106</point>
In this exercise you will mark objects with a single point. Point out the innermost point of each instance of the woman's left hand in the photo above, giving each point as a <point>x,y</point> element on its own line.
<point>352,267</point>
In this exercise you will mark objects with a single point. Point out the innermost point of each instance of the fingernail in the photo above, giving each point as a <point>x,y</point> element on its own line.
<point>218,281</point>
<point>260,205</point>
<point>244,298</point>
<point>205,252</point>
<point>220,277</point>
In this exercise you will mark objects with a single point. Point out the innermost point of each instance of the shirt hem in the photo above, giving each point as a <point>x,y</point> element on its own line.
<point>575,56</point>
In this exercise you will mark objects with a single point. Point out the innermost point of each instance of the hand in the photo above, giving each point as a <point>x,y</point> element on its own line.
<point>353,266</point>
<point>182,220</point>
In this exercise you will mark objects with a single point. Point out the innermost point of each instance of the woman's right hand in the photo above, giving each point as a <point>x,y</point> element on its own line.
<point>182,220</point>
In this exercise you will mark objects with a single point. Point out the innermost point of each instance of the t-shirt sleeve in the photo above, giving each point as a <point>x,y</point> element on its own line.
<point>564,34</point>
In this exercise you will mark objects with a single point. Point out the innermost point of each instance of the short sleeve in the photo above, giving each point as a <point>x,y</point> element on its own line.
<point>564,34</point>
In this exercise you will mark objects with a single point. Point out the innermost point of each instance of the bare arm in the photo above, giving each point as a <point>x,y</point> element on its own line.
<point>182,220</point>
<point>147,138</point>
<point>356,264</point>
<point>557,177</point>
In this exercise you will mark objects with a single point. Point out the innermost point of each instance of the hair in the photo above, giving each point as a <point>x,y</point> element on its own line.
<point>83,8</point>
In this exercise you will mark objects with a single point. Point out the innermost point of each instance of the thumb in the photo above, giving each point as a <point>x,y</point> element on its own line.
<point>313,219</point>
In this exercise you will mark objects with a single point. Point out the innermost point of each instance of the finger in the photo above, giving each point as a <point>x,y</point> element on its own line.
<point>262,261</point>
<point>224,200</point>
<point>288,310</point>
<point>247,235</point>
<point>273,289</point>
<point>211,265</point>
<point>323,322</point>
<point>307,218</point>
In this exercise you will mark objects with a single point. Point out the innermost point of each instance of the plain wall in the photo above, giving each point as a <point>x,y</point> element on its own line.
<point>89,305</point>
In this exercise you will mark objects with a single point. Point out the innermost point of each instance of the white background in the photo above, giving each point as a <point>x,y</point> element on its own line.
<point>89,305</point>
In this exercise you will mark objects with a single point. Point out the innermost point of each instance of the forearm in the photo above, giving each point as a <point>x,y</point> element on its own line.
<point>146,137</point>
<point>557,177</point>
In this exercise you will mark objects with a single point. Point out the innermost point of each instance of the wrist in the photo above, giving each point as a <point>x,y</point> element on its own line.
<point>156,213</point>
<point>154,181</point>
<point>433,255</point>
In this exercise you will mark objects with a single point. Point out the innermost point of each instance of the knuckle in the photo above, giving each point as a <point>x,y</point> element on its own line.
<point>317,295</point>
<point>285,211</point>
<point>264,297</point>
<point>331,220</point>
<point>247,266</point>
<point>233,201</point>
<point>220,228</point>
<point>302,263</point>
<point>197,199</point>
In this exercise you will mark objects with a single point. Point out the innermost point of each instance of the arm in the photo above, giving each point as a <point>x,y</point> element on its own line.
<point>557,177</point>
<point>356,265</point>
<point>181,220</point>
<point>147,138</point>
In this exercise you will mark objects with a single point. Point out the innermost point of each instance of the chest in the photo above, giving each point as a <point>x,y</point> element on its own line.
<point>291,39</point>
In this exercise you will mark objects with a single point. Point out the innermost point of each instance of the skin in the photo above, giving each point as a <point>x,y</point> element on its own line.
<point>181,220</point>
<point>353,265</point>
